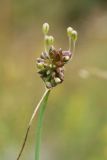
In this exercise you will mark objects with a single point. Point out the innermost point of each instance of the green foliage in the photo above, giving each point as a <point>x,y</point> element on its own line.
<point>39,124</point>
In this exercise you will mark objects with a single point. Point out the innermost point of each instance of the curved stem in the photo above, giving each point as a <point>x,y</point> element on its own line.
<point>24,142</point>
<point>30,123</point>
<point>39,126</point>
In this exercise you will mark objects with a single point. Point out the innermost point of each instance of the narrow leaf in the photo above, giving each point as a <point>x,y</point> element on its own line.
<point>42,108</point>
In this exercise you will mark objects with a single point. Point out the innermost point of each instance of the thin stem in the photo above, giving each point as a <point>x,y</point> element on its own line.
<point>30,123</point>
<point>72,45</point>
<point>37,107</point>
<point>73,50</point>
<point>45,45</point>
<point>74,42</point>
<point>69,43</point>
<point>24,142</point>
<point>39,126</point>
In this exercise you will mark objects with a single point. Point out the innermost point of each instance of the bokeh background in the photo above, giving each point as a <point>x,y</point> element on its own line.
<point>75,123</point>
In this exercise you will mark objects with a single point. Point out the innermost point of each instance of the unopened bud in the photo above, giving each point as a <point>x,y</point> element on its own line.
<point>44,55</point>
<point>66,58</point>
<point>48,72</point>
<point>48,84</point>
<point>51,40</point>
<point>40,65</point>
<point>54,66</point>
<point>45,28</point>
<point>47,40</point>
<point>74,35</point>
<point>50,65</point>
<point>57,80</point>
<point>69,31</point>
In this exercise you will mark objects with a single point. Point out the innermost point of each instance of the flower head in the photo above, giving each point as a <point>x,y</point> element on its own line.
<point>51,63</point>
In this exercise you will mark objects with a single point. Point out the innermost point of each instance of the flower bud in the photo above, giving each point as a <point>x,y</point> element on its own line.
<point>48,72</point>
<point>67,53</point>
<point>47,40</point>
<point>40,60</point>
<point>44,55</point>
<point>51,40</point>
<point>40,65</point>
<point>57,80</point>
<point>50,65</point>
<point>45,28</point>
<point>48,84</point>
<point>74,35</point>
<point>69,31</point>
<point>66,58</point>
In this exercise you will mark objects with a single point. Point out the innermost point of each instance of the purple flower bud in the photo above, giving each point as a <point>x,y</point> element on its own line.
<point>40,60</point>
<point>44,55</point>
<point>67,53</point>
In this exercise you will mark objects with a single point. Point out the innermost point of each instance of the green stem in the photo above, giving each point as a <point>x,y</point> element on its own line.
<point>39,124</point>
<point>74,46</point>
<point>45,45</point>
<point>69,43</point>
<point>41,104</point>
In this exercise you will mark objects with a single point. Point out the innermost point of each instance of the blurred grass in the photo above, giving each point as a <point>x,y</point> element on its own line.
<point>75,125</point>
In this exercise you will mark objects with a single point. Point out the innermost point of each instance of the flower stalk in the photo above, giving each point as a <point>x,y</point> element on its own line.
<point>50,66</point>
<point>44,98</point>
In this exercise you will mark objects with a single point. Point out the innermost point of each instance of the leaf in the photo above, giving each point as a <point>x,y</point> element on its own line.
<point>41,112</point>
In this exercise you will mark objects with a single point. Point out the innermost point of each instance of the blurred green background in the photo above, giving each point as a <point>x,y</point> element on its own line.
<point>75,124</point>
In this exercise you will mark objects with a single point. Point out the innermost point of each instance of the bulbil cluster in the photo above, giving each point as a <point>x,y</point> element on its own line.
<point>51,62</point>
